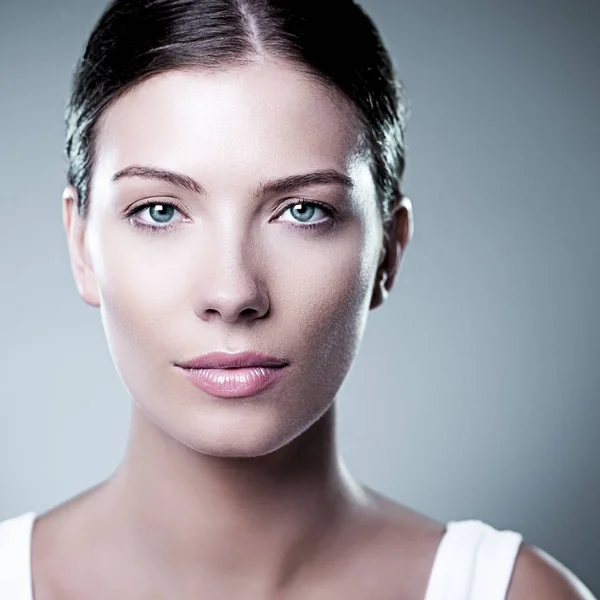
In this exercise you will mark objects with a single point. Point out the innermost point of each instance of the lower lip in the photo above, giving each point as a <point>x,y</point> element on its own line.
<point>234,383</point>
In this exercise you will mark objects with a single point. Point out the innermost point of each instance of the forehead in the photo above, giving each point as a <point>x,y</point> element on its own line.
<point>249,122</point>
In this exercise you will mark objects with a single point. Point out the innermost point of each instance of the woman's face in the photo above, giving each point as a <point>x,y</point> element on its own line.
<point>234,265</point>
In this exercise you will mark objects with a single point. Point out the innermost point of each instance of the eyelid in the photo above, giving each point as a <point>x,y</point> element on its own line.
<point>146,203</point>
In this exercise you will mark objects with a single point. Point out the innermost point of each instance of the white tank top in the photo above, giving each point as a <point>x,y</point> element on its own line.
<point>474,561</point>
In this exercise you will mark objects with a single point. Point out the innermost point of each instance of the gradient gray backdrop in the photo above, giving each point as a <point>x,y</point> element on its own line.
<point>476,392</point>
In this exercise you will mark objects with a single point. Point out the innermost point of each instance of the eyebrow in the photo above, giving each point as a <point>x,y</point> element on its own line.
<point>281,185</point>
<point>177,179</point>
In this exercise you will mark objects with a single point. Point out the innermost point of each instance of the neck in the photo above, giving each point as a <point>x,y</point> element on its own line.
<point>261,518</point>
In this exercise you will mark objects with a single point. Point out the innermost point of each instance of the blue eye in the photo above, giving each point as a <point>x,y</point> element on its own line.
<point>159,212</point>
<point>163,214</point>
<point>303,212</point>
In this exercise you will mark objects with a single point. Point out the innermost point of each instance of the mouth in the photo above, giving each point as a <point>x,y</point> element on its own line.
<point>233,375</point>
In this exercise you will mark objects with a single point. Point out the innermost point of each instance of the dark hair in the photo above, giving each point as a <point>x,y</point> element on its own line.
<point>333,41</point>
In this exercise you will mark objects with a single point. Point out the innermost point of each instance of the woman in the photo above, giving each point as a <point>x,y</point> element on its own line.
<point>234,209</point>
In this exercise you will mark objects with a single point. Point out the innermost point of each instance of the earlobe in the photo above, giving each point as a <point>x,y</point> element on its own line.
<point>380,291</point>
<point>75,229</point>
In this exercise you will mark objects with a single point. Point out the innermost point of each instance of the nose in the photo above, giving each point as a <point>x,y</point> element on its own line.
<point>233,289</point>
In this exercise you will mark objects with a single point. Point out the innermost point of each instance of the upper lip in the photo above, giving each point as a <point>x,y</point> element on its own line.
<point>224,360</point>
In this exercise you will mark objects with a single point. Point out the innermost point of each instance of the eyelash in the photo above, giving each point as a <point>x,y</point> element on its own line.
<point>331,216</point>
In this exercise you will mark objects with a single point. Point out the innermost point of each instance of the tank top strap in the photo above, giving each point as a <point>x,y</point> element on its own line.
<point>474,561</point>
<point>15,557</point>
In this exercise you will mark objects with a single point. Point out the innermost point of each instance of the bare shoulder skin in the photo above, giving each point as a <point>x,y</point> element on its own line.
<point>389,556</point>
<point>386,552</point>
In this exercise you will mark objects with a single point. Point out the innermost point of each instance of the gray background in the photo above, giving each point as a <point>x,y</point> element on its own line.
<point>476,392</point>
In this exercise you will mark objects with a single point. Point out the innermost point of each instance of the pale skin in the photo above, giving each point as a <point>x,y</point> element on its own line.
<point>221,498</point>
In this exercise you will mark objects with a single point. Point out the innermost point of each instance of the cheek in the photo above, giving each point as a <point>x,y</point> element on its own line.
<point>324,289</point>
<point>141,292</point>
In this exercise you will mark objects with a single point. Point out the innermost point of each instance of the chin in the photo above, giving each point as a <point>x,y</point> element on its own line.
<point>233,445</point>
<point>238,431</point>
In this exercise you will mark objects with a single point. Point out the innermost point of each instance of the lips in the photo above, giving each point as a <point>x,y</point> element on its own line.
<point>233,375</point>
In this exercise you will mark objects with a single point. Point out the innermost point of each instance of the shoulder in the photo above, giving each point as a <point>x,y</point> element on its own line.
<point>539,576</point>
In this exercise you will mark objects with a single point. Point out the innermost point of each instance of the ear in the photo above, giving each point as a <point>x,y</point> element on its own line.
<point>396,237</point>
<point>75,228</point>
